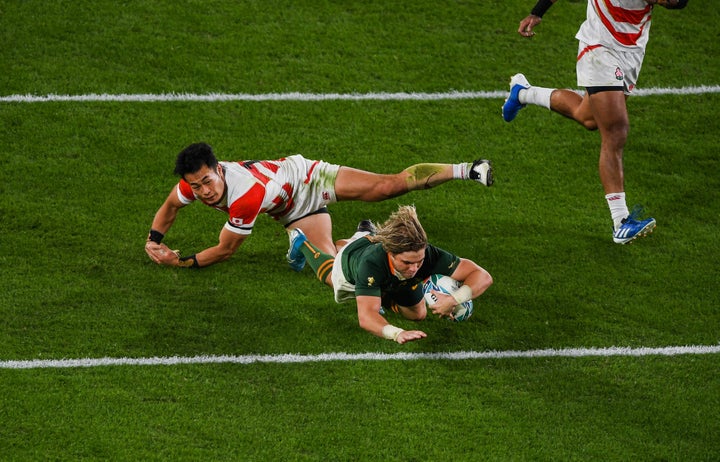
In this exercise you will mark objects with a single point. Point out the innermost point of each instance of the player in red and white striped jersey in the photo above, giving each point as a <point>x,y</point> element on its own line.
<point>293,190</point>
<point>612,43</point>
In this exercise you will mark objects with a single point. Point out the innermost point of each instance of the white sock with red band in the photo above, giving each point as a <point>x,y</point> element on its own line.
<point>460,171</point>
<point>618,207</point>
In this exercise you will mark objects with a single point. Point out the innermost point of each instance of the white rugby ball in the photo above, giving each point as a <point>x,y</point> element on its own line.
<point>448,285</point>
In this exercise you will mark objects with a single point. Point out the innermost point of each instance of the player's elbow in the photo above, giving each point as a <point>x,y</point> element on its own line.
<point>479,281</point>
<point>487,280</point>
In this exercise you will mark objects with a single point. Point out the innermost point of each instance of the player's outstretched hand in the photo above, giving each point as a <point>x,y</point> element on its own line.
<point>410,335</point>
<point>160,253</point>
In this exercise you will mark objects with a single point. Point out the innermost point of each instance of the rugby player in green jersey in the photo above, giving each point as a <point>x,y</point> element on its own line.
<point>385,268</point>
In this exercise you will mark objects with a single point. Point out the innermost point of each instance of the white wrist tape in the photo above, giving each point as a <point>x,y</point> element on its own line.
<point>463,294</point>
<point>391,332</point>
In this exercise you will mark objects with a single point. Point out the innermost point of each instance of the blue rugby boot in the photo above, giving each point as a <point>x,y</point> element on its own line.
<point>295,258</point>
<point>512,104</point>
<point>633,227</point>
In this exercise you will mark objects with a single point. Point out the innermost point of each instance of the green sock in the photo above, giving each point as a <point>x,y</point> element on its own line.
<point>319,261</point>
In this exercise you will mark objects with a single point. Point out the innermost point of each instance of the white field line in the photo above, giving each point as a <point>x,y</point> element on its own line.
<point>325,357</point>
<point>297,96</point>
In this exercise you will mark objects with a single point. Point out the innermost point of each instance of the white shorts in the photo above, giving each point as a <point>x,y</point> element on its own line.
<point>313,186</point>
<point>344,290</point>
<point>599,66</point>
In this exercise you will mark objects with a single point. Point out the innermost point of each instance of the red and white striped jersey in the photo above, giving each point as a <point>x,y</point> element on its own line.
<point>253,188</point>
<point>617,24</point>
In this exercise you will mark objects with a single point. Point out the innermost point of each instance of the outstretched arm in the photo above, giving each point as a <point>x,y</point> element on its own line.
<point>161,254</point>
<point>227,245</point>
<point>163,220</point>
<point>166,214</point>
<point>372,321</point>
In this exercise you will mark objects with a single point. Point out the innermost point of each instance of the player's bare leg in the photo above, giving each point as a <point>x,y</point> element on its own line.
<point>610,113</point>
<point>565,102</point>
<point>354,184</point>
<point>318,231</point>
<point>573,106</point>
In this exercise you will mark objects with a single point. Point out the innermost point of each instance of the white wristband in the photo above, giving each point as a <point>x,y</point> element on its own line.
<point>391,332</point>
<point>463,294</point>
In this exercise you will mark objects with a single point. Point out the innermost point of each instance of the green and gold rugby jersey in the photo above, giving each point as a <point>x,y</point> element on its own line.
<point>367,266</point>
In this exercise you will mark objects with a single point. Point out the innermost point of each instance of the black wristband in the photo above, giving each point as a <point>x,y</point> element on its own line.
<point>155,236</point>
<point>678,6</point>
<point>541,8</point>
<point>187,259</point>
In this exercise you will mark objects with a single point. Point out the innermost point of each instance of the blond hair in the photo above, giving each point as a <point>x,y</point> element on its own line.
<point>401,232</point>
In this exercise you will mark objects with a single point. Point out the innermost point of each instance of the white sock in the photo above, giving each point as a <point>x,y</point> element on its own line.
<point>538,96</point>
<point>618,207</point>
<point>460,171</point>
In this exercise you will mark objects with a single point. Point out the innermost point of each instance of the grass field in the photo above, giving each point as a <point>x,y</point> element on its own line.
<point>81,181</point>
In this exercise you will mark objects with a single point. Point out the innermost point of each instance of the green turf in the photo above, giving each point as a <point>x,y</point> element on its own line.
<point>80,182</point>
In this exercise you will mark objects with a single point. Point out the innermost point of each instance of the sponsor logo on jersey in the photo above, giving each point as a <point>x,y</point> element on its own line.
<point>371,281</point>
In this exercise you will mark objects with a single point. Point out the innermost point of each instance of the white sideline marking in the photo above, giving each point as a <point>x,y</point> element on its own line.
<point>297,96</point>
<point>324,357</point>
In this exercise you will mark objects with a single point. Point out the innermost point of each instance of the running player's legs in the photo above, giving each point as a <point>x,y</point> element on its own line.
<point>573,106</point>
<point>597,67</point>
<point>611,116</point>
<point>609,76</point>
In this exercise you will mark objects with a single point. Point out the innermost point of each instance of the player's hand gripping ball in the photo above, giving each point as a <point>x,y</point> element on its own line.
<point>447,285</point>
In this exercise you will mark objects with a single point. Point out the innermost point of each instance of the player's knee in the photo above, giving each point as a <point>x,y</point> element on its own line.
<point>393,186</point>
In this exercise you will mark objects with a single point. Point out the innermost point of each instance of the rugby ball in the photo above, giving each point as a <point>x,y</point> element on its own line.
<point>448,285</point>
